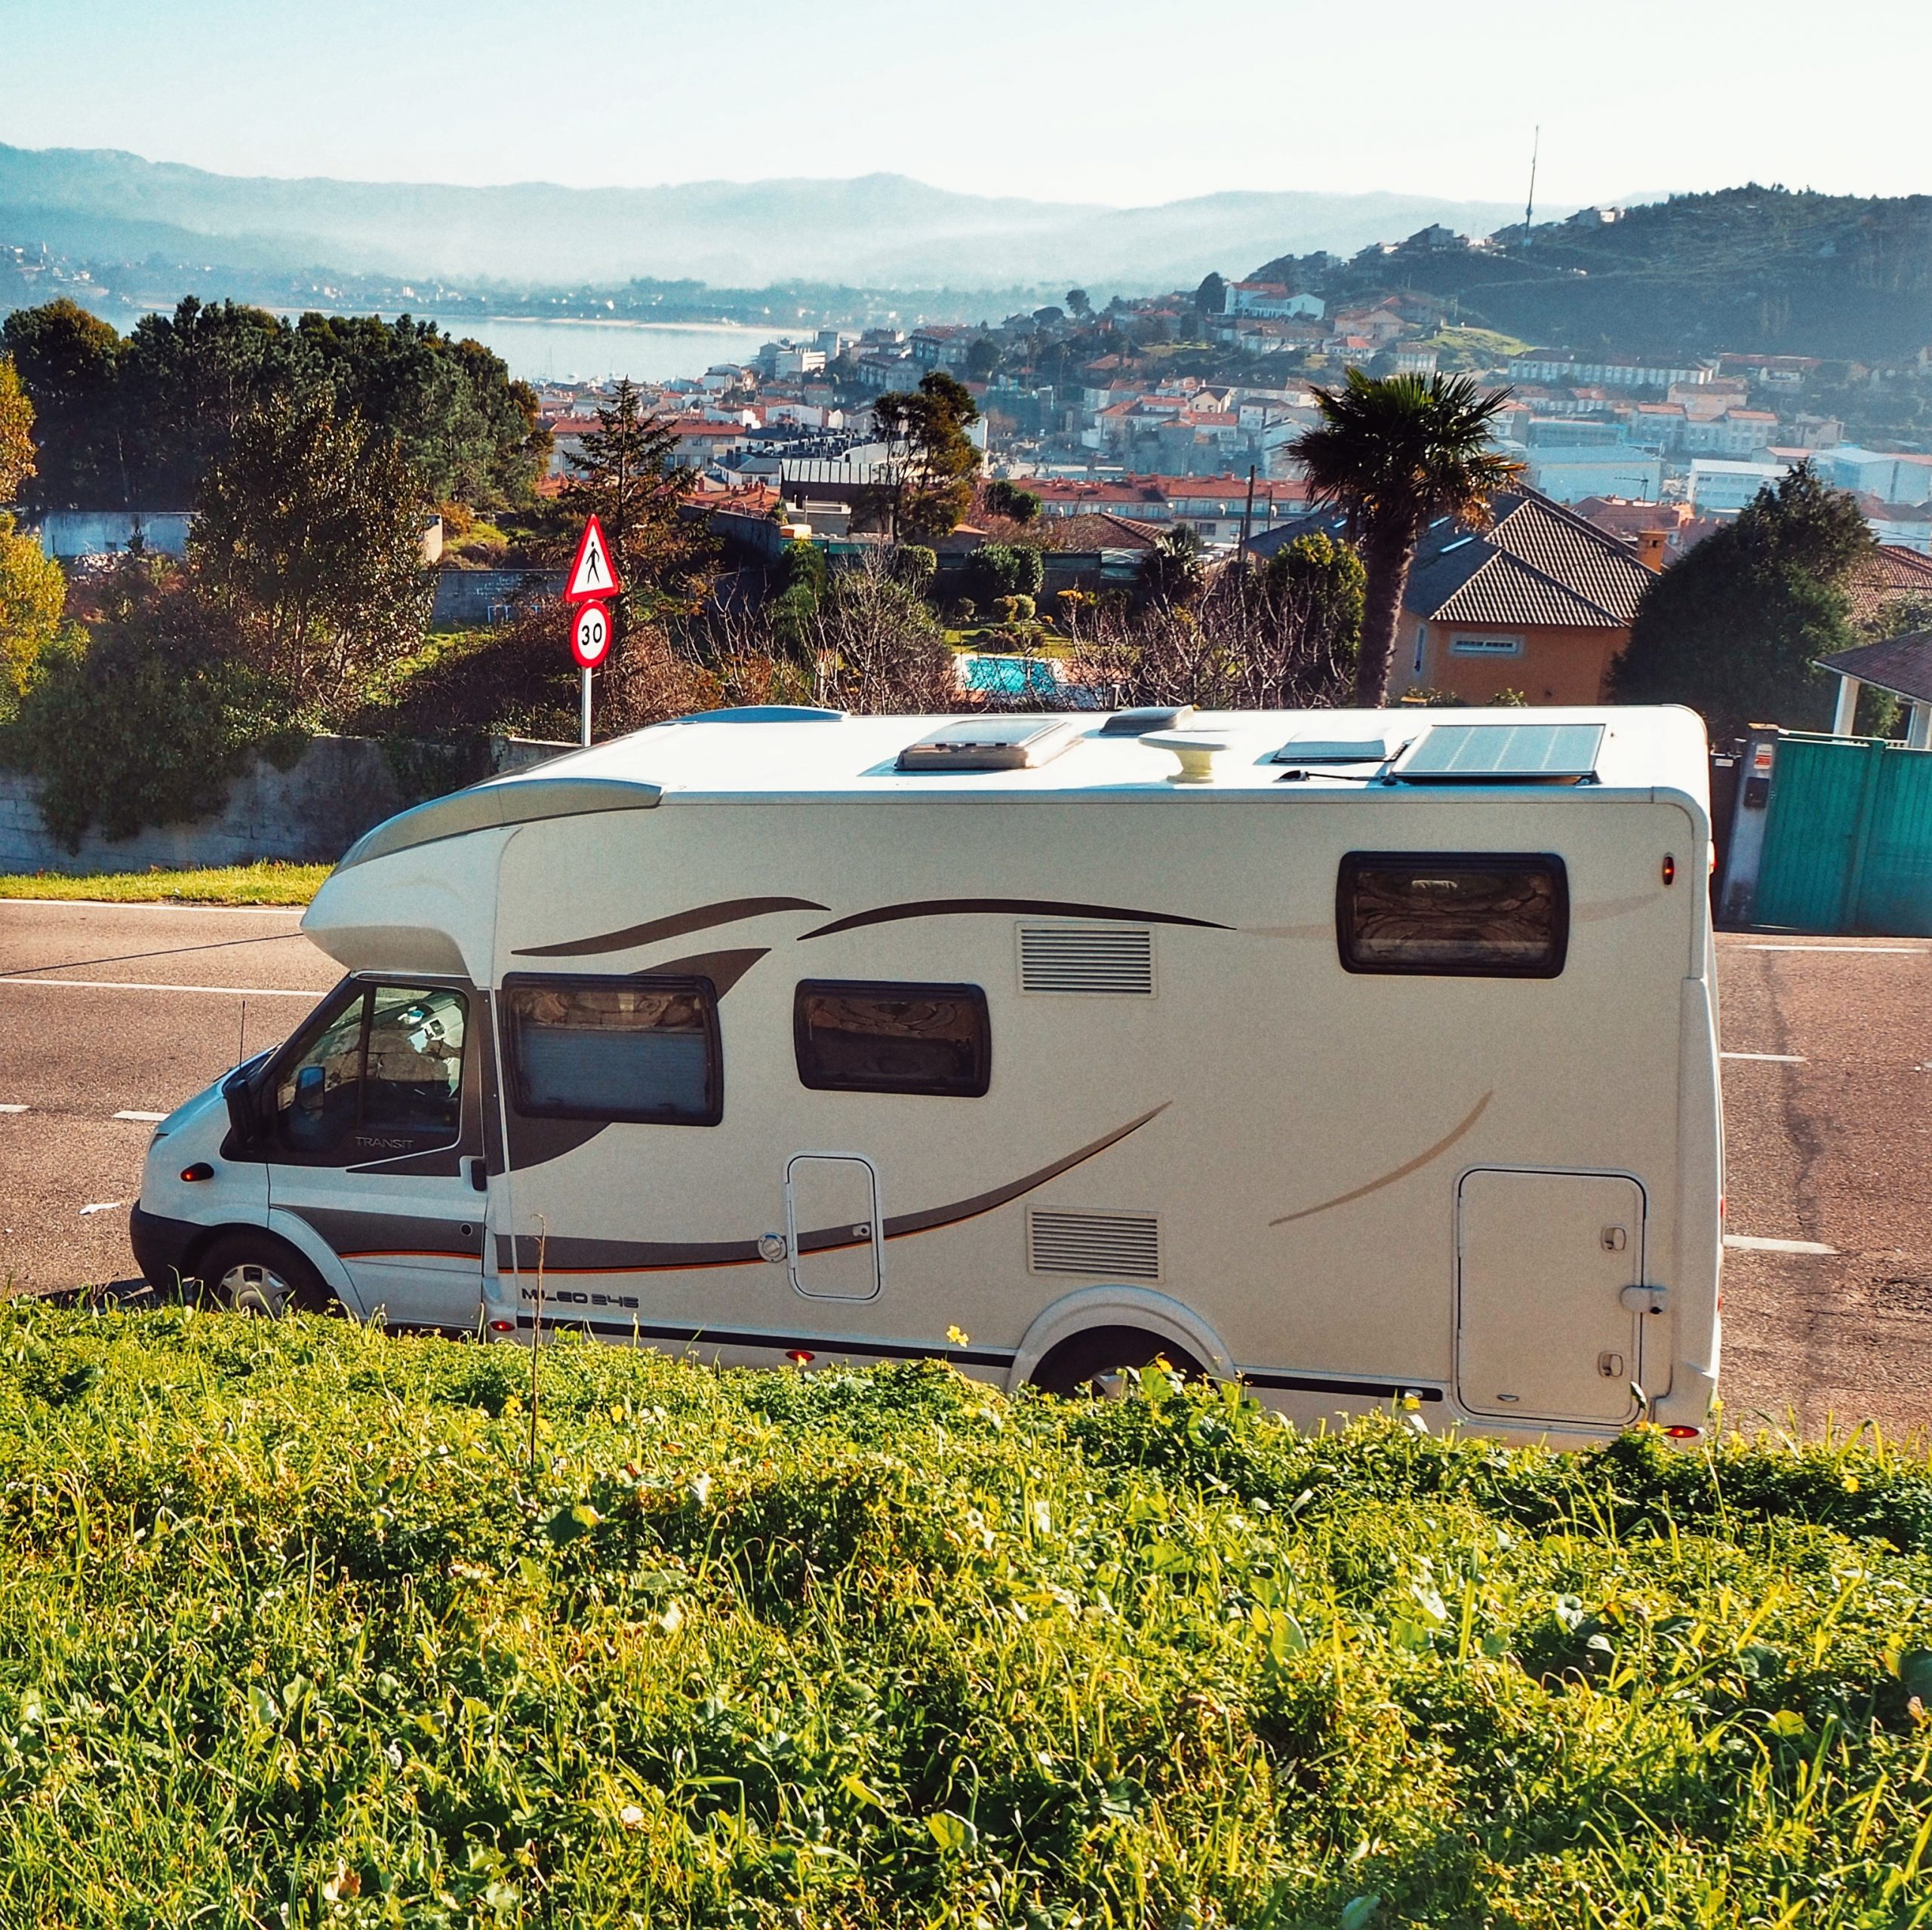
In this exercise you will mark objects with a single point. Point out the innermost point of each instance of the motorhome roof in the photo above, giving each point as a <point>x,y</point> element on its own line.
<point>697,760</point>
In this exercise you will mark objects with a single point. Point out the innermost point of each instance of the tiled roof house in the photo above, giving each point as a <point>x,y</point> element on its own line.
<point>1541,603</point>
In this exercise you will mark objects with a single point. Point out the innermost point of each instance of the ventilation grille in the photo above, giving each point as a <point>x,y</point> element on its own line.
<point>1116,1246</point>
<point>1084,958</point>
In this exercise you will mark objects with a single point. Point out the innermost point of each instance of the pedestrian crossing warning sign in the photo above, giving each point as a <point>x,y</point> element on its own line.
<point>593,574</point>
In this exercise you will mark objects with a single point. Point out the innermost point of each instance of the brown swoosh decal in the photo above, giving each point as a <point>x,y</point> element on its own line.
<point>1037,907</point>
<point>625,1256</point>
<point>699,918</point>
<point>1415,1165</point>
<point>724,969</point>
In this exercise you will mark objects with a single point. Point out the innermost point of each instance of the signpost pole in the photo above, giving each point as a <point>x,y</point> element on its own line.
<point>585,710</point>
<point>592,582</point>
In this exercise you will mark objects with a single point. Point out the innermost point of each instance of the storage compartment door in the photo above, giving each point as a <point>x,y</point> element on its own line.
<point>832,1225</point>
<point>1542,1260</point>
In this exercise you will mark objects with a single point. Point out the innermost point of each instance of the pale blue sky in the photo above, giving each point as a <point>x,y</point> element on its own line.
<point>1127,102</point>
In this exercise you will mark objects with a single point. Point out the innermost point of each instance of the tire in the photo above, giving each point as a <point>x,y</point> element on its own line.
<point>250,1272</point>
<point>1094,1361</point>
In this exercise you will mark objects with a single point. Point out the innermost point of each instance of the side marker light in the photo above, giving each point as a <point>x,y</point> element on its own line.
<point>200,1169</point>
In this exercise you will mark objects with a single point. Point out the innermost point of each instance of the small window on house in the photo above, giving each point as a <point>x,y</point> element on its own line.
<point>1485,646</point>
<point>864,1037</point>
<point>1501,915</point>
<point>644,1049</point>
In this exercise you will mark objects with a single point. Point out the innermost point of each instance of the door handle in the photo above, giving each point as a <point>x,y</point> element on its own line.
<point>478,1173</point>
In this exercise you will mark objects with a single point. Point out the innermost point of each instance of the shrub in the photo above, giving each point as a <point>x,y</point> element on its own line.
<point>996,569</point>
<point>147,718</point>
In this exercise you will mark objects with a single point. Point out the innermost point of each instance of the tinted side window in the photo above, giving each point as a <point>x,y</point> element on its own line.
<point>643,1049</point>
<point>864,1038</point>
<point>1477,914</point>
<point>387,1065</point>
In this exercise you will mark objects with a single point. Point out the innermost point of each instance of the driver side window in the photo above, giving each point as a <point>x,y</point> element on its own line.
<point>383,1077</point>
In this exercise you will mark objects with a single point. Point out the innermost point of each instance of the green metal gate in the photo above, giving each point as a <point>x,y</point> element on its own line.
<point>1848,838</point>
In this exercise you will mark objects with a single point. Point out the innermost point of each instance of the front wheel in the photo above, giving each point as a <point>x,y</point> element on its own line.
<point>255,1274</point>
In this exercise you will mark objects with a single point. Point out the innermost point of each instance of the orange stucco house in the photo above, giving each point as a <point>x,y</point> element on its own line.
<point>1540,604</point>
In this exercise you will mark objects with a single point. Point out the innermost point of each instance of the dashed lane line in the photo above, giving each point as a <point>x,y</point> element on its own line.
<point>1754,1245</point>
<point>1766,1058</point>
<point>133,985</point>
<point>1907,950</point>
<point>12,1108</point>
<point>149,1117</point>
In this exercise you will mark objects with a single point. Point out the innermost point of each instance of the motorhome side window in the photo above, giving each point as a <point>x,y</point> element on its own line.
<point>641,1049</point>
<point>1476,914</point>
<point>382,1075</point>
<point>865,1038</point>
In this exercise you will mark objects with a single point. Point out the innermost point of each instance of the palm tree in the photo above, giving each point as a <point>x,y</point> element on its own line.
<point>1395,453</point>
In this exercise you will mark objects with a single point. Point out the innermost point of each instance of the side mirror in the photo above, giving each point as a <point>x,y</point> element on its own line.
<point>310,1085</point>
<point>244,1109</point>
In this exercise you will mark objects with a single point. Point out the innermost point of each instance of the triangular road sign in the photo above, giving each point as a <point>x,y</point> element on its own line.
<point>593,574</point>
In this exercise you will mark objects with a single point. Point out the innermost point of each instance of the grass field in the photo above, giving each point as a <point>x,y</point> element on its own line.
<point>266,882</point>
<point>297,1632</point>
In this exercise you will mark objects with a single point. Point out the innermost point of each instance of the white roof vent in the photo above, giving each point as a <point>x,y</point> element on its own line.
<point>992,743</point>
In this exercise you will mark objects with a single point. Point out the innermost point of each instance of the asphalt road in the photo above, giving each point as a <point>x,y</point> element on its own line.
<point>107,1011</point>
<point>111,1010</point>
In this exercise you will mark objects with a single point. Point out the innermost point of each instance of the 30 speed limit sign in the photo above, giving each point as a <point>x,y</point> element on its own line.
<point>590,634</point>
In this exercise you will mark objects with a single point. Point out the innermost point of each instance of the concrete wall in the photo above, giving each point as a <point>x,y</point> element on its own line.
<point>466,598</point>
<point>310,813</point>
<point>67,533</point>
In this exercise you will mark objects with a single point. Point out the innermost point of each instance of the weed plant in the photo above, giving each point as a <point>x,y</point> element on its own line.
<point>294,1631</point>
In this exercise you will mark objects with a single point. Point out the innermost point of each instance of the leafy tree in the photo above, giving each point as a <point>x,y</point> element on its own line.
<point>189,380</point>
<point>1211,297</point>
<point>982,358</point>
<point>1175,571</point>
<point>1395,453</point>
<point>1735,628</point>
<point>1078,306</point>
<point>629,477</point>
<point>915,565</point>
<point>1049,317</point>
<point>16,452</point>
<point>32,588</point>
<point>1010,500</point>
<point>1317,584</point>
<point>309,541</point>
<point>997,570</point>
<point>467,429</point>
<point>68,361</point>
<point>930,461</point>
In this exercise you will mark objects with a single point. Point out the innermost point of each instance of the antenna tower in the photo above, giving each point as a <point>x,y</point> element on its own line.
<point>1530,206</point>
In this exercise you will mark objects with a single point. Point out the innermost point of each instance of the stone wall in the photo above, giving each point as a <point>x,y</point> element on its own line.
<point>310,813</point>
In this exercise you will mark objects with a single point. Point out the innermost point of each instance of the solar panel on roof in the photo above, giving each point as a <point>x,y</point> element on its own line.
<point>1503,754</point>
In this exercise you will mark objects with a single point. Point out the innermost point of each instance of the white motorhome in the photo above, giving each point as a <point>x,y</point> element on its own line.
<point>1364,1055</point>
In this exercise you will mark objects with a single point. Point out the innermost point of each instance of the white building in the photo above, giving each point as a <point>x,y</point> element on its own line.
<point>1272,301</point>
<point>1722,489</point>
<point>1569,475</point>
<point>1891,478</point>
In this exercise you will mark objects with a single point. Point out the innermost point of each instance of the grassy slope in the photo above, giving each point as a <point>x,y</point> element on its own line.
<point>291,1626</point>
<point>265,883</point>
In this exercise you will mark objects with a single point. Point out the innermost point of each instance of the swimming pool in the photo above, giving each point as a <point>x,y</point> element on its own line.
<point>1010,676</point>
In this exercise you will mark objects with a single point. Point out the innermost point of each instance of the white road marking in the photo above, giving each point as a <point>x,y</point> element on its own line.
<point>1769,1058</point>
<point>1756,1246</point>
<point>102,1206</point>
<point>154,905</point>
<point>12,1108</point>
<point>149,1115</point>
<point>1914,950</point>
<point>129,985</point>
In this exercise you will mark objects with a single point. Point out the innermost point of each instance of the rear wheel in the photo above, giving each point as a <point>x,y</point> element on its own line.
<point>255,1273</point>
<point>1097,1361</point>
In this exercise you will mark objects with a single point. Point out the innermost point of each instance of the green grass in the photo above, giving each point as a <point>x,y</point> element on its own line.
<point>293,1631</point>
<point>265,883</point>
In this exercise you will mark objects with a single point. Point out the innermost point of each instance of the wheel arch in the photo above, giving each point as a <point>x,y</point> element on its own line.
<point>1088,1307</point>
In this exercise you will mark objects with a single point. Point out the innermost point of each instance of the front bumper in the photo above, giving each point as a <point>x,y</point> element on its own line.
<point>162,1247</point>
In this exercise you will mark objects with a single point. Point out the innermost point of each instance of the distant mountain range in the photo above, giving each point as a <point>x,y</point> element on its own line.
<point>879,230</point>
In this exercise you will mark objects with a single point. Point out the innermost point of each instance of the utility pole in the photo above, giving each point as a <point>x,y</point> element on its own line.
<point>1530,206</point>
<point>1248,513</point>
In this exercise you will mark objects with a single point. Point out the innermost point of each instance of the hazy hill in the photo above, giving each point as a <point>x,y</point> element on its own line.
<point>878,229</point>
<point>1750,268</point>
